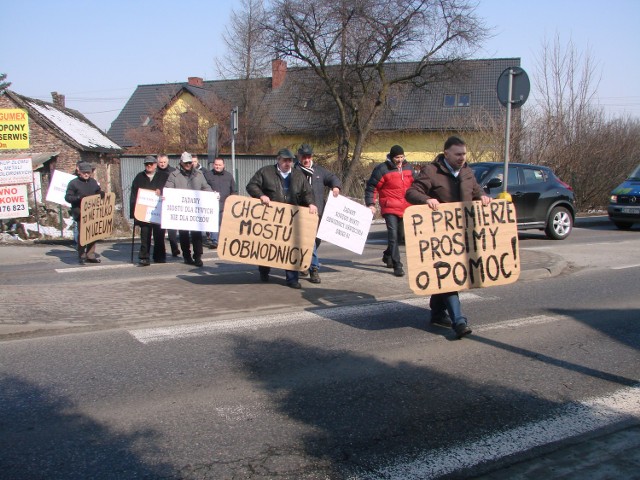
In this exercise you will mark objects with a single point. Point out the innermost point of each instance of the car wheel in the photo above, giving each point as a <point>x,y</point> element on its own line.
<point>623,225</point>
<point>559,224</point>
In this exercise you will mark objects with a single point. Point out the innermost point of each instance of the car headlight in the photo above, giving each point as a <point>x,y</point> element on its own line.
<point>613,199</point>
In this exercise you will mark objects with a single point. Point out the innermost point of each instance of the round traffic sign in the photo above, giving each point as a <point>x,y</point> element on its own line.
<point>519,89</point>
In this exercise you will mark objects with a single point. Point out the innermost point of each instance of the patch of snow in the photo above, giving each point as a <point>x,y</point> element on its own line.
<point>81,132</point>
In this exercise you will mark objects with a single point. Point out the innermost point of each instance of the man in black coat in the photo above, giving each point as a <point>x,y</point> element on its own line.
<point>284,184</point>
<point>319,178</point>
<point>222,182</point>
<point>83,186</point>
<point>149,179</point>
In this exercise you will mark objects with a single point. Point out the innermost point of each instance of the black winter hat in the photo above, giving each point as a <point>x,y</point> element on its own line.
<point>395,151</point>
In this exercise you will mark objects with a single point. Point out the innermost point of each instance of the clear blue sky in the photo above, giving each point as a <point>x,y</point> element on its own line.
<point>96,53</point>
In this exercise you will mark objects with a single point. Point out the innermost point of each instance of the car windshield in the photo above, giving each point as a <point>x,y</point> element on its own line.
<point>480,171</point>
<point>635,175</point>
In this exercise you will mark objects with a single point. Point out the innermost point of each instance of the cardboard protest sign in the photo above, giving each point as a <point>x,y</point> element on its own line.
<point>14,129</point>
<point>16,171</point>
<point>193,210</point>
<point>96,217</point>
<point>148,207</point>
<point>13,201</point>
<point>345,223</point>
<point>278,235</point>
<point>461,246</point>
<point>58,187</point>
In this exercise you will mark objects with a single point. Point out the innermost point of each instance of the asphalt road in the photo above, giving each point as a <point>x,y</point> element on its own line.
<point>324,384</point>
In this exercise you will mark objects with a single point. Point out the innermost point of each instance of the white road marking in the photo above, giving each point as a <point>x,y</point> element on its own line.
<point>568,421</point>
<point>160,334</point>
<point>626,266</point>
<point>90,267</point>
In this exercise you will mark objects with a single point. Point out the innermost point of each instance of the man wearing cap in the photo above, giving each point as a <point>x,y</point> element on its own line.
<point>282,183</point>
<point>319,178</point>
<point>150,179</point>
<point>163,166</point>
<point>390,181</point>
<point>188,178</point>
<point>83,186</point>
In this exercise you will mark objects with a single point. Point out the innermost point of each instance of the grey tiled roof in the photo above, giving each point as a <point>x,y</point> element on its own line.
<point>289,109</point>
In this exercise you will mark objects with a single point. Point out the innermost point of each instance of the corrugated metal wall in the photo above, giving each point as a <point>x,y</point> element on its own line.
<point>246,166</point>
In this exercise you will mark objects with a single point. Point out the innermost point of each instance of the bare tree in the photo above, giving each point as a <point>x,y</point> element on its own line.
<point>567,131</point>
<point>349,45</point>
<point>247,57</point>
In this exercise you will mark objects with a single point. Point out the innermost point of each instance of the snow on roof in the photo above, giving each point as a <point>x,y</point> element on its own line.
<point>83,133</point>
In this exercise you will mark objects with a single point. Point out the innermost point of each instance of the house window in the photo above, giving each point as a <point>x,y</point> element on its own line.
<point>189,128</point>
<point>457,100</point>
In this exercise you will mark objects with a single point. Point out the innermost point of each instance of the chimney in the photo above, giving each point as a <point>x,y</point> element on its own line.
<point>278,72</point>
<point>58,100</point>
<point>196,82</point>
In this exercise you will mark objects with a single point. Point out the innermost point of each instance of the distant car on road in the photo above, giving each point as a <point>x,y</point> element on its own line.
<point>624,202</point>
<point>542,200</point>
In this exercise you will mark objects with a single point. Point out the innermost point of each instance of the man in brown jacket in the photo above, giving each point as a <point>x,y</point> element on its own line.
<point>447,179</point>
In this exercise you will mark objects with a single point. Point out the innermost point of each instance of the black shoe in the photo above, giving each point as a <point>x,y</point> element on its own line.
<point>462,329</point>
<point>92,260</point>
<point>295,285</point>
<point>386,259</point>
<point>160,260</point>
<point>189,261</point>
<point>314,276</point>
<point>264,277</point>
<point>198,262</point>
<point>304,273</point>
<point>81,261</point>
<point>441,318</point>
<point>144,262</point>
<point>175,253</point>
<point>398,272</point>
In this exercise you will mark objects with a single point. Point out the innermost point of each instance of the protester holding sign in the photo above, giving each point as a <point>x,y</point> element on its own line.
<point>390,181</point>
<point>319,178</point>
<point>163,166</point>
<point>284,184</point>
<point>188,178</point>
<point>149,179</point>
<point>83,186</point>
<point>447,179</point>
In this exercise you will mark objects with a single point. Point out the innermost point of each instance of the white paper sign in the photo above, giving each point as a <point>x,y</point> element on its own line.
<point>345,223</point>
<point>13,201</point>
<point>194,210</point>
<point>58,187</point>
<point>153,204</point>
<point>16,171</point>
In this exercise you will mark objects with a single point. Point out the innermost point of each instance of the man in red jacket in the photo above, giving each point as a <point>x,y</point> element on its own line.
<point>390,181</point>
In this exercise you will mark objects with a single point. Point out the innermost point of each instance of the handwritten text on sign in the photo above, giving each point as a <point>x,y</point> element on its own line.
<point>194,210</point>
<point>461,246</point>
<point>345,223</point>
<point>278,235</point>
<point>96,217</point>
<point>13,201</point>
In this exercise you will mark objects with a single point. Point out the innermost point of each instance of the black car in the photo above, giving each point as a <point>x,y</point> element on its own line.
<point>542,200</point>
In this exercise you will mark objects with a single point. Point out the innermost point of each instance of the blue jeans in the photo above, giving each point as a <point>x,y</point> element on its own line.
<point>291,276</point>
<point>394,224</point>
<point>450,302</point>
<point>315,261</point>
